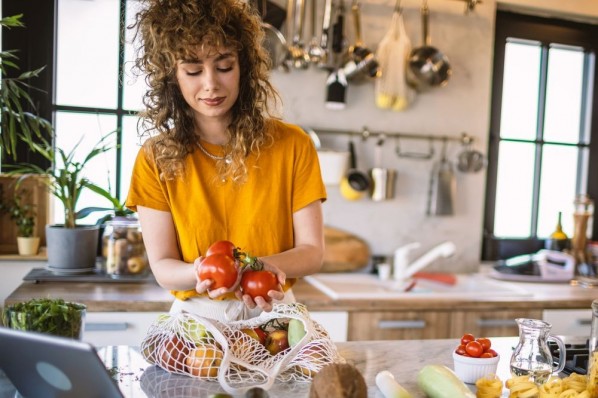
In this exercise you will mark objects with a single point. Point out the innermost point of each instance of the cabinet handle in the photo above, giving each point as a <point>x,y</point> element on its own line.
<point>584,322</point>
<point>105,327</point>
<point>415,324</point>
<point>495,322</point>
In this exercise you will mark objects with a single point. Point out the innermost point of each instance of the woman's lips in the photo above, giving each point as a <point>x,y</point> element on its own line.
<point>214,101</point>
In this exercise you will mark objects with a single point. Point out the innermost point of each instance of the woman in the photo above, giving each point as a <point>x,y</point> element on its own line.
<point>218,166</point>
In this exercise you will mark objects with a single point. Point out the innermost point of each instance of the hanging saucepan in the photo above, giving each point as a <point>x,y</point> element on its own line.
<point>356,183</point>
<point>361,62</point>
<point>427,66</point>
<point>274,41</point>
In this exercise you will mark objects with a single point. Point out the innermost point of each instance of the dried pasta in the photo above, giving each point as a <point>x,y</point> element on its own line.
<point>573,386</point>
<point>488,387</point>
<point>592,386</point>
<point>522,387</point>
<point>575,382</point>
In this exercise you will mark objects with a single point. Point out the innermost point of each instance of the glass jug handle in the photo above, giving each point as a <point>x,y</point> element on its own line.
<point>562,354</point>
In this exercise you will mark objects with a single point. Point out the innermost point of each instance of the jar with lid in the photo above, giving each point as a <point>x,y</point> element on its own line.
<point>123,252</point>
<point>592,367</point>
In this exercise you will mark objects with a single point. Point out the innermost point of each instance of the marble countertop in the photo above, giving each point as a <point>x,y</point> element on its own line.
<point>403,358</point>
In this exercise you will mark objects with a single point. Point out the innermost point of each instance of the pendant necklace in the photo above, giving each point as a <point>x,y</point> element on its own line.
<point>227,159</point>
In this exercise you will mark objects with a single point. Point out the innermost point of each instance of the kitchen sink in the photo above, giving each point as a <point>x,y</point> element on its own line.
<point>368,286</point>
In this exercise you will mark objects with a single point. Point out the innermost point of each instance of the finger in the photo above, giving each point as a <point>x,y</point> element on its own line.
<point>203,286</point>
<point>276,295</point>
<point>249,301</point>
<point>263,304</point>
<point>217,292</point>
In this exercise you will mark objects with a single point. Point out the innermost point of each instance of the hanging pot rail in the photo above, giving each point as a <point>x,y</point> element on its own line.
<point>365,133</point>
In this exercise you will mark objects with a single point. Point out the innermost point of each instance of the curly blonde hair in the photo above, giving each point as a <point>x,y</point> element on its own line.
<point>170,30</point>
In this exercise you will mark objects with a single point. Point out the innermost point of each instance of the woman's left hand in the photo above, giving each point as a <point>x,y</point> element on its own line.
<point>265,303</point>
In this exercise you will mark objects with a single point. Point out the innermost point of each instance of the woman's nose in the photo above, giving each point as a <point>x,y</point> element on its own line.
<point>210,80</point>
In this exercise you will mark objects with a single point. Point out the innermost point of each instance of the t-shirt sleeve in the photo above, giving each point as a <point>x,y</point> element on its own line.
<point>146,189</point>
<point>308,184</point>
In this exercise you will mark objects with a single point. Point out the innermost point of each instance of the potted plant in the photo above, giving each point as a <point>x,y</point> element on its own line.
<point>17,120</point>
<point>23,214</point>
<point>70,247</point>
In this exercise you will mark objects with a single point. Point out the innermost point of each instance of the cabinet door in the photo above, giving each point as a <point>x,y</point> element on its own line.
<point>393,325</point>
<point>117,328</point>
<point>495,323</point>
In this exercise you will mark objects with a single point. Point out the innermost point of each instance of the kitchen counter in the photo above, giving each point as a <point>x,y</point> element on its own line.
<point>403,358</point>
<point>134,297</point>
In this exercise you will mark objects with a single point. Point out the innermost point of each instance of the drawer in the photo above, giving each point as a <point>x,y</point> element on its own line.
<point>495,323</point>
<point>392,325</point>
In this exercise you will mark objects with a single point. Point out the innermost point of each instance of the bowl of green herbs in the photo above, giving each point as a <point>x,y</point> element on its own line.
<point>51,316</point>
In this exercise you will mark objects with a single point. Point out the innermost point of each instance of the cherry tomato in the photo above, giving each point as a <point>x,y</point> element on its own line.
<point>221,269</point>
<point>474,349</point>
<point>222,247</point>
<point>492,352</point>
<point>467,337</point>
<point>258,283</point>
<point>486,355</point>
<point>486,344</point>
<point>461,350</point>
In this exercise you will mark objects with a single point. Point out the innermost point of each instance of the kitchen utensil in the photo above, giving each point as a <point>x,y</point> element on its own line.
<point>443,186</point>
<point>314,51</point>
<point>470,160</point>
<point>355,183</point>
<point>325,36</point>
<point>383,179</point>
<point>336,84</point>
<point>412,154</point>
<point>333,165</point>
<point>531,357</point>
<point>344,251</point>
<point>391,88</point>
<point>298,55</point>
<point>274,41</point>
<point>427,67</point>
<point>361,62</point>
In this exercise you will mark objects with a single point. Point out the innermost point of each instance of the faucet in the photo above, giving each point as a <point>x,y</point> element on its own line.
<point>402,271</point>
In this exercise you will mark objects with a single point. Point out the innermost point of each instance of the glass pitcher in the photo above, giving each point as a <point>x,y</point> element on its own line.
<point>532,356</point>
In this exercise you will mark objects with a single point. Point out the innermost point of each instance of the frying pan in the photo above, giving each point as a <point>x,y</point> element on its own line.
<point>274,41</point>
<point>427,66</point>
<point>356,183</point>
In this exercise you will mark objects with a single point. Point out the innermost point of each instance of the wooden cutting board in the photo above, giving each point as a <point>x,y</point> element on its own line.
<point>344,251</point>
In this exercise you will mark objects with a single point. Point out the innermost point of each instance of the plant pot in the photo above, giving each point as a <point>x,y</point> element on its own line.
<point>28,246</point>
<point>72,248</point>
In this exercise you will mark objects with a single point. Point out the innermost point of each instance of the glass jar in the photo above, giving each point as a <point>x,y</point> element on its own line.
<point>593,358</point>
<point>123,252</point>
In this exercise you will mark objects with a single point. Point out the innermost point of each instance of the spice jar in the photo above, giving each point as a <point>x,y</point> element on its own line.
<point>123,252</point>
<point>592,386</point>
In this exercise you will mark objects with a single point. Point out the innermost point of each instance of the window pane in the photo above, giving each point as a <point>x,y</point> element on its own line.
<point>557,188</point>
<point>134,86</point>
<point>514,190</point>
<point>563,94</point>
<point>87,130</point>
<point>87,53</point>
<point>131,143</point>
<point>520,91</point>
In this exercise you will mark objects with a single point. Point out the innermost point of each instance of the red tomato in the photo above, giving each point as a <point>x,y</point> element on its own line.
<point>461,350</point>
<point>222,247</point>
<point>486,355</point>
<point>467,337</point>
<point>486,344</point>
<point>492,352</point>
<point>258,283</point>
<point>220,268</point>
<point>474,349</point>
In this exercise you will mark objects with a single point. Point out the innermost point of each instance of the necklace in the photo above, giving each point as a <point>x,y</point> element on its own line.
<point>227,159</point>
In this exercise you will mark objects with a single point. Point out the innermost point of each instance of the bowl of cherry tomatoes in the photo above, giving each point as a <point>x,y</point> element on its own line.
<point>474,358</point>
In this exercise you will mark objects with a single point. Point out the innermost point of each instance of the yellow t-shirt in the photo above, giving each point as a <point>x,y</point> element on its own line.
<point>256,216</point>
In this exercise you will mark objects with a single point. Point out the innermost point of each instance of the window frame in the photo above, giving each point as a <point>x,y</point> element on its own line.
<point>546,31</point>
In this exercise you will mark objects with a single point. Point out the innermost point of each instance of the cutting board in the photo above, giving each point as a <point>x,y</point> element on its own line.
<point>344,251</point>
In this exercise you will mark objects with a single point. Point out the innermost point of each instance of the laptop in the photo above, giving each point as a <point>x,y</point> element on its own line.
<point>42,365</point>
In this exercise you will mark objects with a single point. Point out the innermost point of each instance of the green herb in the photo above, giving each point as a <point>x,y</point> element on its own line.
<point>52,316</point>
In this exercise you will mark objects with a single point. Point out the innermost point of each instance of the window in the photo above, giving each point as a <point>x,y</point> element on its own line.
<point>542,149</point>
<point>95,91</point>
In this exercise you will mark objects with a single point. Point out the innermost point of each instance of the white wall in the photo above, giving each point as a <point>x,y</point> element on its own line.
<point>462,106</point>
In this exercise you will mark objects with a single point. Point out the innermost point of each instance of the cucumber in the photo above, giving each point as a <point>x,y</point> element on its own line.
<point>296,331</point>
<point>438,381</point>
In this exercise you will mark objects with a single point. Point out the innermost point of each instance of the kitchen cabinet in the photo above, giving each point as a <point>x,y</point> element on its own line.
<point>398,325</point>
<point>336,323</point>
<point>401,325</point>
<point>569,322</point>
<point>117,328</point>
<point>12,272</point>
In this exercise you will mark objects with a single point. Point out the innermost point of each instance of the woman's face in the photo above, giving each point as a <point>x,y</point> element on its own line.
<point>210,83</point>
